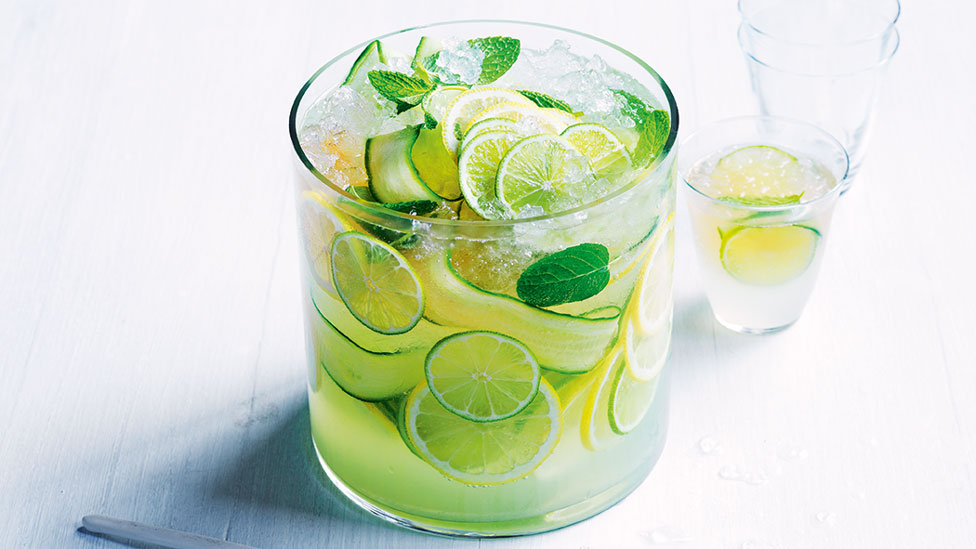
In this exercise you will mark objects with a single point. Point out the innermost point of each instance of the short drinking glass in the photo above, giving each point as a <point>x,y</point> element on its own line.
<point>761,193</point>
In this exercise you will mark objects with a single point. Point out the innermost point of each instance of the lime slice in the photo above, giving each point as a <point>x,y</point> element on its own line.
<point>466,105</point>
<point>435,165</point>
<point>757,171</point>
<point>630,399</point>
<point>436,102</point>
<point>465,213</point>
<point>545,172</point>
<point>320,223</point>
<point>486,125</point>
<point>484,453</point>
<point>595,429</point>
<point>606,153</point>
<point>768,255</point>
<point>478,166</point>
<point>652,303</point>
<point>376,283</point>
<point>646,354</point>
<point>529,119</point>
<point>482,376</point>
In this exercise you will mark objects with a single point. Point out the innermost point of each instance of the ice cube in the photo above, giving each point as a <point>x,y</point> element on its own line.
<point>462,60</point>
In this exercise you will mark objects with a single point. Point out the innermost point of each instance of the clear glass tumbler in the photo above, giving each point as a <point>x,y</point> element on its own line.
<point>597,424</point>
<point>822,62</point>
<point>759,261</point>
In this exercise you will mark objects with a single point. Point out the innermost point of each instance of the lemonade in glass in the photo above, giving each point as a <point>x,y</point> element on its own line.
<point>486,213</point>
<point>761,193</point>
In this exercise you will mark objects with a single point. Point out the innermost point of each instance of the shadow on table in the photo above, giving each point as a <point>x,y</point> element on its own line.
<point>278,470</point>
<point>695,328</point>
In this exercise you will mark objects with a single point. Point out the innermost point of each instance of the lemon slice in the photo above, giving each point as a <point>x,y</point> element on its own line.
<point>482,376</point>
<point>376,283</point>
<point>478,166</point>
<point>646,354</point>
<point>595,429</point>
<point>545,172</point>
<point>466,105</point>
<point>606,153</point>
<point>652,300</point>
<point>768,255</point>
<point>630,399</point>
<point>486,453</point>
<point>529,119</point>
<point>320,223</point>
<point>567,119</point>
<point>757,171</point>
<point>486,125</point>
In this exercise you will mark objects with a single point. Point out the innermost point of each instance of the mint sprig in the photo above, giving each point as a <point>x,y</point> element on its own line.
<point>429,121</point>
<point>404,90</point>
<point>573,274</point>
<point>653,127</point>
<point>546,101</point>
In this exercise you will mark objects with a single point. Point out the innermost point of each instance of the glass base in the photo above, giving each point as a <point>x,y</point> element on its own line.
<point>552,520</point>
<point>752,331</point>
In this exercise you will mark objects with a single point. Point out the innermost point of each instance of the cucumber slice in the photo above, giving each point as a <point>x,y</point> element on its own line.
<point>392,175</point>
<point>424,335</point>
<point>563,343</point>
<point>364,374</point>
<point>371,56</point>
<point>425,48</point>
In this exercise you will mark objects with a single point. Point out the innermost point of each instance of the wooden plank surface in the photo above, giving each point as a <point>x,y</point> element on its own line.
<point>151,349</point>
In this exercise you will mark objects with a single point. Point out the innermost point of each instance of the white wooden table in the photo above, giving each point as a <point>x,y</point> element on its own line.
<point>151,356</point>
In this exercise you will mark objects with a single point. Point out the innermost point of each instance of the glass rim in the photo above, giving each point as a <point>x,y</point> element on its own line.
<point>743,28</point>
<point>831,194</point>
<point>377,209</point>
<point>887,28</point>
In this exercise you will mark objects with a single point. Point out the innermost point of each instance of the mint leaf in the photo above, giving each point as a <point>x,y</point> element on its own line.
<point>501,52</point>
<point>412,207</point>
<point>653,136</point>
<point>573,274</point>
<point>429,121</point>
<point>653,127</point>
<point>400,88</point>
<point>763,200</point>
<point>545,101</point>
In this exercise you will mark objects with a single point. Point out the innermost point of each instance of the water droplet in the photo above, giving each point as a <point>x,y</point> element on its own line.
<point>731,472</point>
<point>709,446</point>
<point>826,517</point>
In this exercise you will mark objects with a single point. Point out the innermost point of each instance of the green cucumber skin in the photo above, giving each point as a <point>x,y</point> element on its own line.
<point>391,173</point>
<point>562,343</point>
<point>406,366</point>
<point>374,46</point>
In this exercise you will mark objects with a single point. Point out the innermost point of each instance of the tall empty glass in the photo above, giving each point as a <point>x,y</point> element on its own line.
<point>820,61</point>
